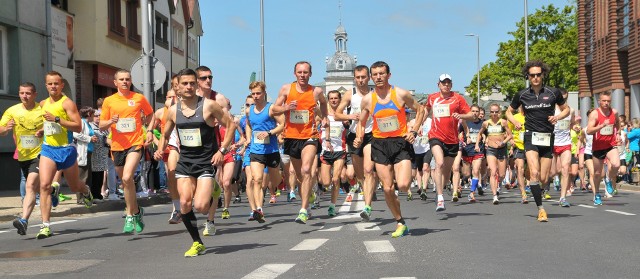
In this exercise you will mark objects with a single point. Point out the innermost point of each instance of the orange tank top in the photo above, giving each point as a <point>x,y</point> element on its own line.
<point>300,122</point>
<point>390,119</point>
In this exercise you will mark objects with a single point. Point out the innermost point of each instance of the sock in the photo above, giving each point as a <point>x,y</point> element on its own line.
<point>474,184</point>
<point>400,221</point>
<point>537,193</point>
<point>440,198</point>
<point>176,204</point>
<point>55,183</point>
<point>259,209</point>
<point>46,224</point>
<point>191,223</point>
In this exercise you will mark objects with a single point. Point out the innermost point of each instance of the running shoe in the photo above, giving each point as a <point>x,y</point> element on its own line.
<point>564,203</point>
<point>401,231</point>
<point>496,200</point>
<point>546,195</point>
<point>278,193</point>
<point>63,197</point>
<point>597,200</point>
<point>409,196</point>
<point>251,217</point>
<point>440,206</point>
<point>423,195</point>
<point>302,217</point>
<point>609,186</point>
<point>137,219</point>
<point>524,199</point>
<point>55,194</point>
<point>21,225</point>
<point>209,228</point>
<point>615,192</point>
<point>129,226</point>
<point>583,189</point>
<point>316,204</point>
<point>332,210</point>
<point>44,232</point>
<point>365,214</point>
<point>273,199</point>
<point>471,197</point>
<point>455,197</point>
<point>542,215</point>
<point>226,214</point>
<point>349,198</point>
<point>258,215</point>
<point>195,250</point>
<point>238,199</point>
<point>292,197</point>
<point>175,218</point>
<point>527,190</point>
<point>87,199</point>
<point>480,190</point>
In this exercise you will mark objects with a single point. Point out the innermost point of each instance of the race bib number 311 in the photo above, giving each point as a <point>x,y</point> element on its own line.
<point>607,130</point>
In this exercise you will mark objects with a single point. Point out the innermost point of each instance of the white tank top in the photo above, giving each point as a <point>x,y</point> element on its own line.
<point>421,144</point>
<point>337,135</point>
<point>588,142</point>
<point>356,99</point>
<point>562,130</point>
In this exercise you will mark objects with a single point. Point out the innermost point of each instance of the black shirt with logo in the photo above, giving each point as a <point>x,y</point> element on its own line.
<point>538,107</point>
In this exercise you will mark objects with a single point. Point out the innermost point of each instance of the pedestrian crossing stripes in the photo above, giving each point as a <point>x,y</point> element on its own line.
<point>586,206</point>
<point>620,212</point>
<point>309,244</point>
<point>363,227</point>
<point>330,229</point>
<point>379,246</point>
<point>269,271</point>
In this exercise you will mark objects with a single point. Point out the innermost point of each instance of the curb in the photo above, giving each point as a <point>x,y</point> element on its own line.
<point>629,187</point>
<point>104,206</point>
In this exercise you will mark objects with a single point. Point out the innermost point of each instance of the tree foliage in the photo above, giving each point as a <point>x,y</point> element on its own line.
<point>553,38</point>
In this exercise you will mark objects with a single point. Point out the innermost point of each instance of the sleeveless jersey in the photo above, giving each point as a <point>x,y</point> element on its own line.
<point>518,135</point>
<point>606,137</point>
<point>262,122</point>
<point>198,142</point>
<point>356,99</point>
<point>390,119</point>
<point>54,133</point>
<point>300,122</point>
<point>421,144</point>
<point>494,129</point>
<point>474,130</point>
<point>337,135</point>
<point>588,145</point>
<point>562,130</point>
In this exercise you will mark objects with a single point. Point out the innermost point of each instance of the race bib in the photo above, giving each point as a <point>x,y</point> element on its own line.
<point>52,128</point>
<point>607,130</point>
<point>388,124</point>
<point>494,129</point>
<point>126,125</point>
<point>423,141</point>
<point>563,124</point>
<point>299,116</point>
<point>265,140</point>
<point>190,137</point>
<point>441,110</point>
<point>335,131</point>
<point>29,141</point>
<point>521,136</point>
<point>355,110</point>
<point>473,137</point>
<point>541,139</point>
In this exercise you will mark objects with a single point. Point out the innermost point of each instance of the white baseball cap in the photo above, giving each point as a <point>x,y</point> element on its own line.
<point>445,76</point>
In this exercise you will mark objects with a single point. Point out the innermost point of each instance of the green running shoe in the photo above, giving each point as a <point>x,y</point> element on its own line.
<point>226,214</point>
<point>129,226</point>
<point>195,250</point>
<point>137,219</point>
<point>332,210</point>
<point>62,197</point>
<point>87,198</point>
<point>400,231</point>
<point>365,214</point>
<point>302,217</point>
<point>44,232</point>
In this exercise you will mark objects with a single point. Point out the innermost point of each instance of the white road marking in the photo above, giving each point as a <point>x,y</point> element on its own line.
<point>359,206</point>
<point>55,223</point>
<point>346,207</point>
<point>380,246</point>
<point>347,216</point>
<point>309,244</point>
<point>587,206</point>
<point>398,278</point>
<point>621,212</point>
<point>333,229</point>
<point>364,227</point>
<point>269,271</point>
<point>3,231</point>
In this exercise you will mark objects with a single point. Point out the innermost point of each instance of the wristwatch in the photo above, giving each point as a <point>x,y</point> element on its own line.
<point>415,134</point>
<point>57,119</point>
<point>223,150</point>
<point>269,133</point>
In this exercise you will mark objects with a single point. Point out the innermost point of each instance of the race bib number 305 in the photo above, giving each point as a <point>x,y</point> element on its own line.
<point>388,124</point>
<point>607,130</point>
<point>190,137</point>
<point>441,110</point>
<point>52,128</point>
<point>126,125</point>
<point>29,141</point>
<point>541,139</point>
<point>299,116</point>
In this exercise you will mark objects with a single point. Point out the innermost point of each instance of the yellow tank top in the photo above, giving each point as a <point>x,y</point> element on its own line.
<point>54,133</point>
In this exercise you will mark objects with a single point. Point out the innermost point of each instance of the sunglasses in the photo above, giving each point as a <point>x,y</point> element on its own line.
<point>535,75</point>
<point>493,111</point>
<point>247,105</point>
<point>205,78</point>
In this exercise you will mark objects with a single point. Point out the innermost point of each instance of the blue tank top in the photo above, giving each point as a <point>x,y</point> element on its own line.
<point>262,122</point>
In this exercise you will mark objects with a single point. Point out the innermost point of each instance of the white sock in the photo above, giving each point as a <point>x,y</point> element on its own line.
<point>440,197</point>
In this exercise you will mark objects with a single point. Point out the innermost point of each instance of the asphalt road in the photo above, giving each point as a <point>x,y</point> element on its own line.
<point>465,241</point>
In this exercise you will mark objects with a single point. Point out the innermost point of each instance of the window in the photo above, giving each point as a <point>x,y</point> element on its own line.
<point>623,21</point>
<point>4,63</point>
<point>590,27</point>
<point>161,36</point>
<point>132,21</point>
<point>115,18</point>
<point>177,35</point>
<point>192,48</point>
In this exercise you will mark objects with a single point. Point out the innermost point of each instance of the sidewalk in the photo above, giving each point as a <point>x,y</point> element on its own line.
<point>11,205</point>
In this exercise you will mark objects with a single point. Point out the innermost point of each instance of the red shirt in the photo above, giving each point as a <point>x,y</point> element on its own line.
<point>606,137</point>
<point>444,127</point>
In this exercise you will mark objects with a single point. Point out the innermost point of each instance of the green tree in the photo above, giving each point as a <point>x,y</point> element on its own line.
<point>553,38</point>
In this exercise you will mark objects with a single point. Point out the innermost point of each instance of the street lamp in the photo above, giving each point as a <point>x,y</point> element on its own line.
<point>526,36</point>
<point>478,61</point>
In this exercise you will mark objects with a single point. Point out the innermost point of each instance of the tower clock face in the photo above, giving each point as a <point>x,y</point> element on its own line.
<point>340,64</point>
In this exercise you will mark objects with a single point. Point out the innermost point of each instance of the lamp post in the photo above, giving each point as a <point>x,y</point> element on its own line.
<point>526,36</point>
<point>478,62</point>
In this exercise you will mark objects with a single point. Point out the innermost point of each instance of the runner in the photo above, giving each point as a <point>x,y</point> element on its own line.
<point>25,119</point>
<point>198,151</point>
<point>604,126</point>
<point>518,154</point>
<point>498,135</point>
<point>538,102</point>
<point>298,101</point>
<point>561,162</point>
<point>122,115</point>
<point>446,109</point>
<point>262,130</point>
<point>61,119</point>
<point>333,152</point>
<point>361,155</point>
<point>391,148</point>
<point>422,158</point>
<point>470,155</point>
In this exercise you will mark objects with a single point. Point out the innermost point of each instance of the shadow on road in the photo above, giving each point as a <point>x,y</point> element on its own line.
<point>235,248</point>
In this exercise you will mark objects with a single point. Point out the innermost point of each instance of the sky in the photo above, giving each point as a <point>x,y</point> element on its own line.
<point>418,39</point>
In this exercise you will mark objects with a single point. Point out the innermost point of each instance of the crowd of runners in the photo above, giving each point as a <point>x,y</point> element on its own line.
<point>311,145</point>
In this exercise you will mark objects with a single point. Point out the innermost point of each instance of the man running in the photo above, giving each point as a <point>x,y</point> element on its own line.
<point>469,153</point>
<point>122,114</point>
<point>333,153</point>
<point>539,104</point>
<point>298,101</point>
<point>391,146</point>
<point>194,117</point>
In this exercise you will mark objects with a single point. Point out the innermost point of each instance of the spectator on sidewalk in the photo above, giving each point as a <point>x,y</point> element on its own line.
<point>84,145</point>
<point>99,157</point>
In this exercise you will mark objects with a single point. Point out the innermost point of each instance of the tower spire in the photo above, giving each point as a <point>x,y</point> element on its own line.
<point>340,11</point>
